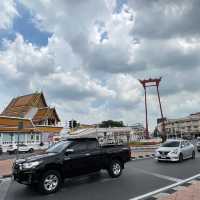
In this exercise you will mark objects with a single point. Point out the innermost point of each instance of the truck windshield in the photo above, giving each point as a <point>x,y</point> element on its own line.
<point>59,147</point>
<point>171,144</point>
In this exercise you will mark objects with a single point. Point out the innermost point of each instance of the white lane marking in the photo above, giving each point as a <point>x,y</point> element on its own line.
<point>164,188</point>
<point>4,185</point>
<point>160,175</point>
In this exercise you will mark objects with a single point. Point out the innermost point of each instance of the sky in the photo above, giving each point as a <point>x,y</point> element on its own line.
<point>87,56</point>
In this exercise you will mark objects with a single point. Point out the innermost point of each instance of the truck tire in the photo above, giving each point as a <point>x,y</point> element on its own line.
<point>115,168</point>
<point>50,182</point>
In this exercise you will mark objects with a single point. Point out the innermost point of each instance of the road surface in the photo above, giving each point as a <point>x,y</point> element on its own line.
<point>139,177</point>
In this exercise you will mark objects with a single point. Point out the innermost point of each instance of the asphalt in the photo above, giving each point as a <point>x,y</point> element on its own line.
<point>139,177</point>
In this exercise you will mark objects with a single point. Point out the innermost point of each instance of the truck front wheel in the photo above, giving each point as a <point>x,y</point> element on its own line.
<point>115,168</point>
<point>50,182</point>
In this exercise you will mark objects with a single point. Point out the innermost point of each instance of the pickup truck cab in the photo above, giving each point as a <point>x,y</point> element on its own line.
<point>70,158</point>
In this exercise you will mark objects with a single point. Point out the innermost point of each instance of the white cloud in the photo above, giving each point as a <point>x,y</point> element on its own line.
<point>7,14</point>
<point>90,66</point>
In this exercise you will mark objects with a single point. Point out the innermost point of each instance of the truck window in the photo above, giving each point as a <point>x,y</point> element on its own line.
<point>92,145</point>
<point>59,147</point>
<point>80,146</point>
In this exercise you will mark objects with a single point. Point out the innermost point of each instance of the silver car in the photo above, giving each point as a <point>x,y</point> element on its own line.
<point>175,150</point>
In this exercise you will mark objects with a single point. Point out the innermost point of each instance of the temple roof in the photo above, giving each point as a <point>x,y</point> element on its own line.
<point>46,112</point>
<point>21,105</point>
<point>28,110</point>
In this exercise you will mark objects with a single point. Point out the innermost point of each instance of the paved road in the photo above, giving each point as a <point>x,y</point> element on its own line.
<point>139,177</point>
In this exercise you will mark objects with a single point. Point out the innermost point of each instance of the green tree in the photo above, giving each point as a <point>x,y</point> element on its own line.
<point>111,123</point>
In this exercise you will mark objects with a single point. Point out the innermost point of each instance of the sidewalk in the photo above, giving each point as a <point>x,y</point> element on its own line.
<point>5,168</point>
<point>192,192</point>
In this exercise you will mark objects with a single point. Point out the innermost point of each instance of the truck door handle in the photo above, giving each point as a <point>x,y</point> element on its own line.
<point>87,154</point>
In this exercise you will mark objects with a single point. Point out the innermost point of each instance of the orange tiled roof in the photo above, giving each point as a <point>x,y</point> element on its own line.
<point>16,130</point>
<point>10,124</point>
<point>21,105</point>
<point>14,121</point>
<point>10,117</point>
<point>52,129</point>
<point>43,113</point>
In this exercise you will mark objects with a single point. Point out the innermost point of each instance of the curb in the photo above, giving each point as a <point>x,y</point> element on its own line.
<point>168,190</point>
<point>143,157</point>
<point>149,147</point>
<point>6,176</point>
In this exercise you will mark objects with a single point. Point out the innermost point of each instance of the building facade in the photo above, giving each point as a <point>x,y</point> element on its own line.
<point>29,120</point>
<point>112,134</point>
<point>186,126</point>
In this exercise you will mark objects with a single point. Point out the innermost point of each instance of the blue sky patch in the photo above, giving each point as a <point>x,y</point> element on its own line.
<point>24,25</point>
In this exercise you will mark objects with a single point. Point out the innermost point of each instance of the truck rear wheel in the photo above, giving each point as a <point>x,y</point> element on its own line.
<point>50,182</point>
<point>115,168</point>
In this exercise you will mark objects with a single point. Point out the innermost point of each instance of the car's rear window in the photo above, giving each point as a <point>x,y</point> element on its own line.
<point>171,144</point>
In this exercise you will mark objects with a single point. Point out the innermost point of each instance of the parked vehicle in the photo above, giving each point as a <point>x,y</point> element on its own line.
<point>1,150</point>
<point>22,149</point>
<point>198,144</point>
<point>175,150</point>
<point>70,158</point>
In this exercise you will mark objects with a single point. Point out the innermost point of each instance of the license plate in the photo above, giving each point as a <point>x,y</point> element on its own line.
<point>163,156</point>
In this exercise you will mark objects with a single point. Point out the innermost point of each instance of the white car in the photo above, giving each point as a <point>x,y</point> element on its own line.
<point>175,150</point>
<point>22,148</point>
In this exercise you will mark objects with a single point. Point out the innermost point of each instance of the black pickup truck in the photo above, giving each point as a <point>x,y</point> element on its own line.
<point>70,158</point>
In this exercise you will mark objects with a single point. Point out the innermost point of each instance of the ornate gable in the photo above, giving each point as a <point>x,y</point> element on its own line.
<point>47,115</point>
<point>22,105</point>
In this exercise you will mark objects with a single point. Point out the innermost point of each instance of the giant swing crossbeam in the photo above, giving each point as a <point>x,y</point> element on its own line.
<point>151,83</point>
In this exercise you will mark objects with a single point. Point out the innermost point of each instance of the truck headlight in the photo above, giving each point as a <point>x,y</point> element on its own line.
<point>30,165</point>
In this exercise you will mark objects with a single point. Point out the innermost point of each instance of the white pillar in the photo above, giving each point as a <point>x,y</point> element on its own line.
<point>25,138</point>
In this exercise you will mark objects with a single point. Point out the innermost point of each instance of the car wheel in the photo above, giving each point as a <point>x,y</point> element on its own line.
<point>115,169</point>
<point>193,155</point>
<point>50,182</point>
<point>180,157</point>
